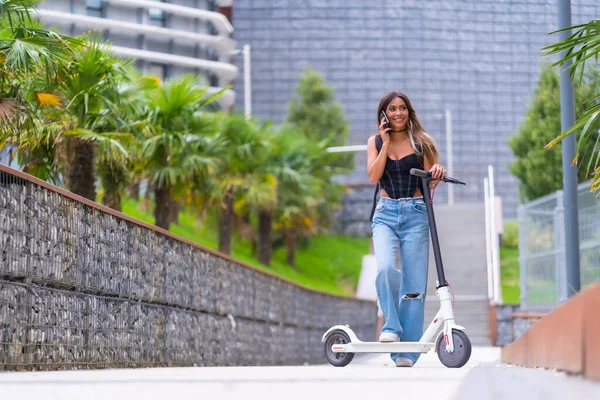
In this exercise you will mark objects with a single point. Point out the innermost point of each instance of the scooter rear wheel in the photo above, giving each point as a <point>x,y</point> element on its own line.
<point>337,359</point>
<point>461,353</point>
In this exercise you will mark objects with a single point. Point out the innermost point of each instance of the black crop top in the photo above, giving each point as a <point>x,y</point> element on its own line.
<point>396,179</point>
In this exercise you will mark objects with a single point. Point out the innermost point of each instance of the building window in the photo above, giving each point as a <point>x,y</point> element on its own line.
<point>94,8</point>
<point>157,16</point>
<point>157,70</point>
<point>213,80</point>
<point>212,6</point>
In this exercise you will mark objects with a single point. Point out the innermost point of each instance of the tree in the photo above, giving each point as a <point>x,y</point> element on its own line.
<point>181,146</point>
<point>296,211</point>
<point>314,112</point>
<point>90,94</point>
<point>301,167</point>
<point>582,46</point>
<point>27,52</point>
<point>130,116</point>
<point>539,170</point>
<point>32,62</point>
<point>241,173</point>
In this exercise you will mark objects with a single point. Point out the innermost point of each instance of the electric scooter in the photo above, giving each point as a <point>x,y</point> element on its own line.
<point>449,340</point>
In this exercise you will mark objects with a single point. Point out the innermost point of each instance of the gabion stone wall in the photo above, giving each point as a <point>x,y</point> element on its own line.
<point>512,323</point>
<point>82,286</point>
<point>504,323</point>
<point>353,219</point>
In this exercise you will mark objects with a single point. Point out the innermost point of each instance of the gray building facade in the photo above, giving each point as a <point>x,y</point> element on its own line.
<point>479,59</point>
<point>166,38</point>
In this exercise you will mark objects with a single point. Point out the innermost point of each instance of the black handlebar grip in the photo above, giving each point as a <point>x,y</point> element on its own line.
<point>420,173</point>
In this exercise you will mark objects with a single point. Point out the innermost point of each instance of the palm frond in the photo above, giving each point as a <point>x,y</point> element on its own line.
<point>213,97</point>
<point>581,46</point>
<point>595,184</point>
<point>9,109</point>
<point>195,163</point>
<point>261,190</point>
<point>109,143</point>
<point>165,176</point>
<point>589,122</point>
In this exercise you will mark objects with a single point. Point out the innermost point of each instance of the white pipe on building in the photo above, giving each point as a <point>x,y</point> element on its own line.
<point>220,21</point>
<point>220,43</point>
<point>225,71</point>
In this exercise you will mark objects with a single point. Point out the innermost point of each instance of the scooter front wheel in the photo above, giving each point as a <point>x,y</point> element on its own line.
<point>337,359</point>
<point>461,353</point>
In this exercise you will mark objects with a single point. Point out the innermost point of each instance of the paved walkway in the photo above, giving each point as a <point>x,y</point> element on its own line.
<point>368,376</point>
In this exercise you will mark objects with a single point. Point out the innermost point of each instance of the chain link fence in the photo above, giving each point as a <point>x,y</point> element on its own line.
<point>542,248</point>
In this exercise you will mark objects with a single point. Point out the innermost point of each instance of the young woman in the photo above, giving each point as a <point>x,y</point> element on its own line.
<point>400,219</point>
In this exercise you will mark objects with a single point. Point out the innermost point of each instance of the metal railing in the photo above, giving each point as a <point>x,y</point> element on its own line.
<point>542,248</point>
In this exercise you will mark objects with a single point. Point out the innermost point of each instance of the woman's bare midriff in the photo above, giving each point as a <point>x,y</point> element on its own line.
<point>383,193</point>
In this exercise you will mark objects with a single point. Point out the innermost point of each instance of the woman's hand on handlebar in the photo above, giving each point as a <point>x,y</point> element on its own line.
<point>437,171</point>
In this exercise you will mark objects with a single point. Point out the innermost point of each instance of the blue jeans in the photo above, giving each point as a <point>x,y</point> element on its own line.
<point>401,294</point>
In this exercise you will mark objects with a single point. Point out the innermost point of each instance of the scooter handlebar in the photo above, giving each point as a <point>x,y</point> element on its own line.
<point>426,174</point>
<point>420,173</point>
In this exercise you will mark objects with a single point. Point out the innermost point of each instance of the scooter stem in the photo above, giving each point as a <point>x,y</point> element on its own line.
<point>433,231</point>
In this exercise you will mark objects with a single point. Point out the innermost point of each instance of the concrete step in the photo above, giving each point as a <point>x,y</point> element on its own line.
<point>461,231</point>
<point>474,315</point>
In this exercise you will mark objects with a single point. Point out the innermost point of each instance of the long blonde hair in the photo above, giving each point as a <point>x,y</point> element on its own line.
<point>419,140</point>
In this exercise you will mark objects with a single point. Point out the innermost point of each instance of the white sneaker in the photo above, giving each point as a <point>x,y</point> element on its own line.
<point>387,337</point>
<point>403,362</point>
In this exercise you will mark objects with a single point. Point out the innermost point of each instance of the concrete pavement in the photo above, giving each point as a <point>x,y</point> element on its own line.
<point>366,377</point>
<point>506,382</point>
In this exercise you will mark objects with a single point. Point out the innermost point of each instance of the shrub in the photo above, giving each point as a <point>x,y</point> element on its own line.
<point>510,238</point>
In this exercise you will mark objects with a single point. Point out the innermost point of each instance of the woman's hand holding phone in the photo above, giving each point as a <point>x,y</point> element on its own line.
<point>384,128</point>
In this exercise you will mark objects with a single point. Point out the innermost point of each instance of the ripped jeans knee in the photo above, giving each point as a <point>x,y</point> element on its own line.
<point>413,296</point>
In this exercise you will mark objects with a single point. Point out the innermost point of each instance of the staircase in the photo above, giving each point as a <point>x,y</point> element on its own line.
<point>461,231</point>
<point>474,315</point>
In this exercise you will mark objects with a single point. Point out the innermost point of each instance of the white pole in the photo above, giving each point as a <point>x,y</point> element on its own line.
<point>247,82</point>
<point>450,167</point>
<point>488,237</point>
<point>494,237</point>
<point>343,149</point>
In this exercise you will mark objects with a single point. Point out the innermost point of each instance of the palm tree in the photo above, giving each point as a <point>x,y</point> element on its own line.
<point>32,63</point>
<point>307,202</point>
<point>33,145</point>
<point>90,94</point>
<point>116,169</point>
<point>295,213</point>
<point>181,146</point>
<point>241,176</point>
<point>287,162</point>
<point>27,52</point>
<point>582,46</point>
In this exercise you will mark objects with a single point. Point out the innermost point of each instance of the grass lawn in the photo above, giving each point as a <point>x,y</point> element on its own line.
<point>329,263</point>
<point>509,275</point>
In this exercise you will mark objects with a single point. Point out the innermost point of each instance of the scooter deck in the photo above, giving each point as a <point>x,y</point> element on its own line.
<point>382,347</point>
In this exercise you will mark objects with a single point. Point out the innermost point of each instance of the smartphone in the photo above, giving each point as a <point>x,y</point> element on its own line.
<point>385,118</point>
